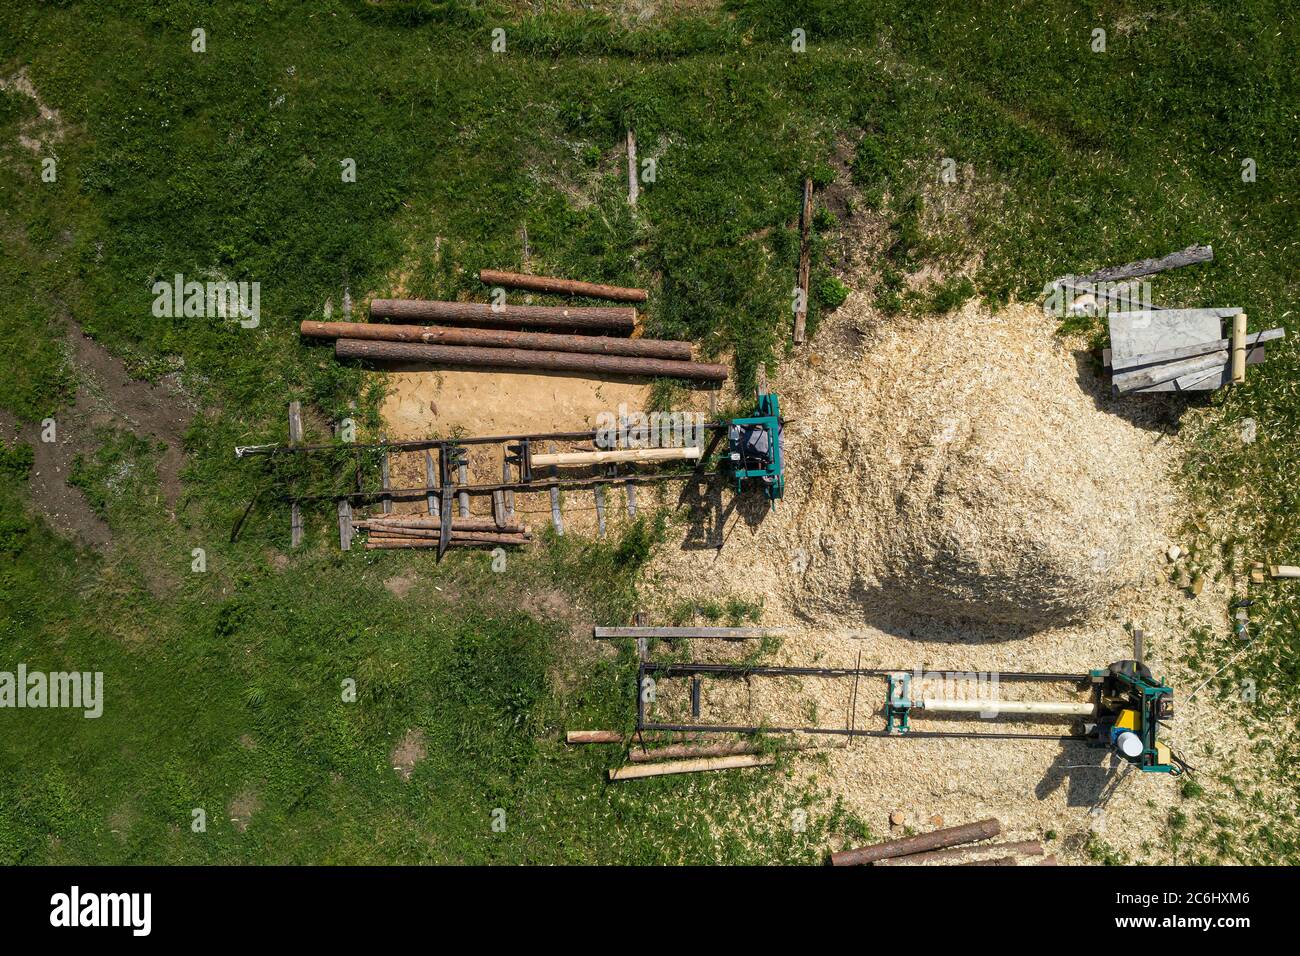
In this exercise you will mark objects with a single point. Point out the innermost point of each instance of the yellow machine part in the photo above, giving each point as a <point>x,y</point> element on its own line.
<point>1128,719</point>
<point>1162,753</point>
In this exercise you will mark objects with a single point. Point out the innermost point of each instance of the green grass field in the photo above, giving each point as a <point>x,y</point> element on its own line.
<point>225,685</point>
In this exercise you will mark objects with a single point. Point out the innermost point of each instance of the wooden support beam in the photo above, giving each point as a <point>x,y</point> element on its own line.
<point>691,766</point>
<point>699,633</point>
<point>934,840</point>
<point>592,290</point>
<point>805,261</point>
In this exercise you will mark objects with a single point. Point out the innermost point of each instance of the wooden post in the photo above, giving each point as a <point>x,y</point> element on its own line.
<point>510,495</point>
<point>383,475</point>
<point>632,185</point>
<point>1239,348</point>
<point>805,261</point>
<point>631,499</point>
<point>462,497</point>
<point>345,509</point>
<point>600,509</point>
<point>295,438</point>
<point>555,499</point>
<point>432,500</point>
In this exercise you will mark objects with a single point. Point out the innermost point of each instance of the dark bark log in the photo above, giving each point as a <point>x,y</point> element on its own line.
<point>500,338</point>
<point>521,359</point>
<point>593,290</point>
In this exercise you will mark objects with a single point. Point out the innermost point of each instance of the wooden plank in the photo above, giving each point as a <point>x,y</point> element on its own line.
<point>1188,351</point>
<point>1145,331</point>
<point>689,453</point>
<point>699,633</point>
<point>633,187</point>
<point>805,261</point>
<point>1145,267</point>
<point>691,766</point>
<point>1284,571</point>
<point>295,510</point>
<point>1123,382</point>
<point>1216,377</point>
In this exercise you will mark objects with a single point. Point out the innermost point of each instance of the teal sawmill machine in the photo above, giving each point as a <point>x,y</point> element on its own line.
<point>752,458</point>
<point>1124,711</point>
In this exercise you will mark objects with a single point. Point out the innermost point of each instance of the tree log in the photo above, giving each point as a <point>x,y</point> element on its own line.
<point>434,522</point>
<point>935,840</point>
<point>470,357</point>
<point>593,737</point>
<point>587,319</point>
<point>500,338</point>
<point>592,290</point>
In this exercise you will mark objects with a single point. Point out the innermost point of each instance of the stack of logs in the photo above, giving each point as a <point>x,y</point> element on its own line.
<point>590,339</point>
<point>950,846</point>
<point>423,531</point>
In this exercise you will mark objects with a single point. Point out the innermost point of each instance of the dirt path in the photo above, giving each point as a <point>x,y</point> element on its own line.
<point>106,396</point>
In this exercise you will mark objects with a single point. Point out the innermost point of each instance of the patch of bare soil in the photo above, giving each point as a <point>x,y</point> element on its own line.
<point>242,808</point>
<point>47,127</point>
<point>962,495</point>
<point>410,750</point>
<point>400,584</point>
<point>428,404</point>
<point>106,396</point>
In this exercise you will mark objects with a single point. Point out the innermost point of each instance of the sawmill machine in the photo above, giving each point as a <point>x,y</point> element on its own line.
<point>755,454</point>
<point>1123,714</point>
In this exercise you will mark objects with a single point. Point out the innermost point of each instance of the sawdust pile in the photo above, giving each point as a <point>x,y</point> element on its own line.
<point>957,467</point>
